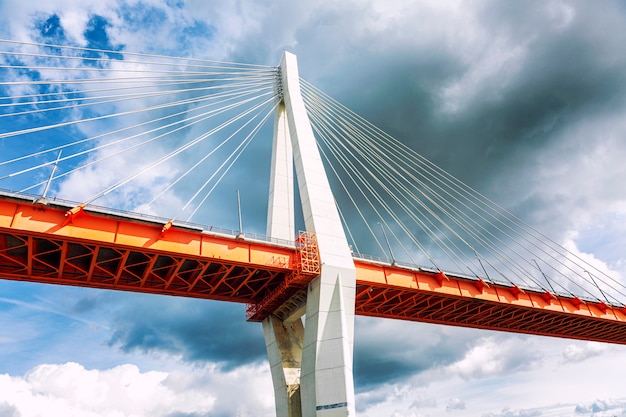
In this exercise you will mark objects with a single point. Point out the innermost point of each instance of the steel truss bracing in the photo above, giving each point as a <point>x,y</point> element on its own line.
<point>37,245</point>
<point>306,292</point>
<point>434,297</point>
<point>307,265</point>
<point>60,261</point>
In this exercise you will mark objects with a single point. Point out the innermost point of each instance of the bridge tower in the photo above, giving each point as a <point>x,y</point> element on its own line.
<point>311,363</point>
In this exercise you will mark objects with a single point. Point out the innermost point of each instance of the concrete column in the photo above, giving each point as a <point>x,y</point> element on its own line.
<point>284,351</point>
<point>311,366</point>
<point>280,212</point>
<point>283,341</point>
<point>326,382</point>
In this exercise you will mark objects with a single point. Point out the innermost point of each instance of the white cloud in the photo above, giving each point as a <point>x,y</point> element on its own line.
<point>589,190</point>
<point>423,400</point>
<point>611,280</point>
<point>124,390</point>
<point>455,404</point>
<point>493,356</point>
<point>509,412</point>
<point>578,352</point>
<point>481,361</point>
<point>602,408</point>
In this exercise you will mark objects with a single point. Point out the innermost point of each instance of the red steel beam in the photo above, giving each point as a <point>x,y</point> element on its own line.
<point>39,243</point>
<point>424,296</point>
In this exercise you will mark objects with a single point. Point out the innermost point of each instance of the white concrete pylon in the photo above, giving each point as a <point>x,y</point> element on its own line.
<point>284,350</point>
<point>283,341</point>
<point>280,215</point>
<point>326,380</point>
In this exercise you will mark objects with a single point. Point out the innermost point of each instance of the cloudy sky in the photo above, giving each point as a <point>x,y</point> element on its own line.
<point>524,101</point>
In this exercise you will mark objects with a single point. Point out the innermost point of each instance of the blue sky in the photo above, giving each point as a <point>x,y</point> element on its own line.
<point>524,101</point>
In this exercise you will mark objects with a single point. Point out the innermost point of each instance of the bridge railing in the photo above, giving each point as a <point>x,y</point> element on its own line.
<point>157,220</point>
<point>405,265</point>
<point>216,230</point>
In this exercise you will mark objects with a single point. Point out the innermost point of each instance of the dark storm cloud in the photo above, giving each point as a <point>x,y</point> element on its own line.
<point>385,353</point>
<point>197,330</point>
<point>564,75</point>
<point>395,353</point>
<point>568,67</point>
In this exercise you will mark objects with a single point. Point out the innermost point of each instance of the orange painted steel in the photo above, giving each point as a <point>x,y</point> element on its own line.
<point>48,244</point>
<point>51,244</point>
<point>435,297</point>
<point>306,267</point>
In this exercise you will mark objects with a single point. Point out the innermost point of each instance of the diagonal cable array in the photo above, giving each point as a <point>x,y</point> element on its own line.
<point>126,128</point>
<point>395,202</point>
<point>148,132</point>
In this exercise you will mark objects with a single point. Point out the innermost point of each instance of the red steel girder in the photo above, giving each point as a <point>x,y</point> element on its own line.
<point>39,244</point>
<point>416,295</point>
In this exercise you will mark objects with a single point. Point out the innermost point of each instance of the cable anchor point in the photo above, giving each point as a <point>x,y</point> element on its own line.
<point>72,213</point>
<point>166,228</point>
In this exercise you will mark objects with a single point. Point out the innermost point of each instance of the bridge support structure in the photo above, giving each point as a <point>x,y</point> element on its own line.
<point>311,363</point>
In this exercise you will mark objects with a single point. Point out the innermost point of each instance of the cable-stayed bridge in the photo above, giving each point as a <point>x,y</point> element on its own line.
<point>173,138</point>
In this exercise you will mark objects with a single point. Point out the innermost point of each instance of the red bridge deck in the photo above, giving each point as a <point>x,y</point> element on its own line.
<point>40,243</point>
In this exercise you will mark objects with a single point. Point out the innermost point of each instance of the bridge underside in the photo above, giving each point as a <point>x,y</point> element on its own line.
<point>38,244</point>
<point>529,313</point>
<point>37,258</point>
